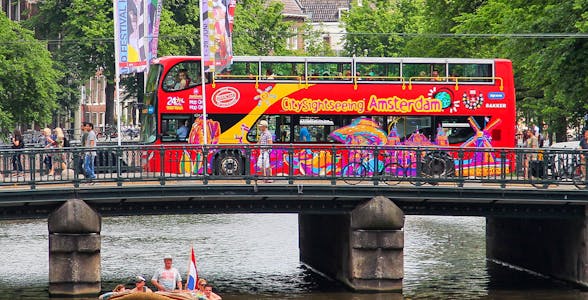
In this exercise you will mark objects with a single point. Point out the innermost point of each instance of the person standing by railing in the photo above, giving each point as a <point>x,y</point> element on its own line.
<point>60,140</point>
<point>91,152</point>
<point>544,136</point>
<point>17,143</point>
<point>584,147</point>
<point>49,143</point>
<point>265,142</point>
<point>533,144</point>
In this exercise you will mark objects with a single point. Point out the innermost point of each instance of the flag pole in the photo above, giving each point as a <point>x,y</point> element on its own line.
<point>203,10</point>
<point>116,66</point>
<point>189,262</point>
<point>117,75</point>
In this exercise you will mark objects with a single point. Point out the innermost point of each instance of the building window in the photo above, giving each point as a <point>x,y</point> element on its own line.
<point>293,40</point>
<point>343,10</point>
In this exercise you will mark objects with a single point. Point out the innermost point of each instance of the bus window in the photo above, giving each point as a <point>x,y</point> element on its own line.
<point>379,71</point>
<point>406,126</point>
<point>170,127</point>
<point>253,134</point>
<point>459,129</point>
<point>313,129</point>
<point>423,71</point>
<point>283,129</point>
<point>182,76</point>
<point>153,79</point>
<point>329,71</point>
<point>471,72</point>
<point>244,70</point>
<point>284,70</point>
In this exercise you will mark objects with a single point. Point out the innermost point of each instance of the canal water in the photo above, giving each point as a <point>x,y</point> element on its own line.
<point>255,256</point>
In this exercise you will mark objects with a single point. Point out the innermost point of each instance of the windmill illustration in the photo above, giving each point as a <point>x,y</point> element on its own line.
<point>482,139</point>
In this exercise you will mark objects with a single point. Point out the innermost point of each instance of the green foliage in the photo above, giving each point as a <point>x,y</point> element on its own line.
<point>314,43</point>
<point>377,27</point>
<point>80,39</point>
<point>28,81</point>
<point>179,28</point>
<point>551,73</point>
<point>437,19</point>
<point>260,29</point>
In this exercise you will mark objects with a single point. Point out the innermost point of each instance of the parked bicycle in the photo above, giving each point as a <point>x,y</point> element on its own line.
<point>130,133</point>
<point>557,168</point>
<point>358,169</point>
<point>109,133</point>
<point>400,166</point>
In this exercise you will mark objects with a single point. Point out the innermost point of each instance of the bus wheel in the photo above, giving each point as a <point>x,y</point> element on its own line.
<point>229,164</point>
<point>438,164</point>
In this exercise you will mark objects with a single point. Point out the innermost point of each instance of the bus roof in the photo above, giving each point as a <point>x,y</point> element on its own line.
<point>432,60</point>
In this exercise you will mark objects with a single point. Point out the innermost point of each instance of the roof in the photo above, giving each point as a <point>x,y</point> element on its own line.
<point>292,8</point>
<point>324,10</point>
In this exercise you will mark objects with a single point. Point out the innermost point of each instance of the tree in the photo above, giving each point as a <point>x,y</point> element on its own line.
<point>435,21</point>
<point>260,29</point>
<point>82,35</point>
<point>551,71</point>
<point>179,29</point>
<point>28,89</point>
<point>377,27</point>
<point>314,43</point>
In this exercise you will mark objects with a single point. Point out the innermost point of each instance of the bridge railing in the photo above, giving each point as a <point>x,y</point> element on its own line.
<point>293,163</point>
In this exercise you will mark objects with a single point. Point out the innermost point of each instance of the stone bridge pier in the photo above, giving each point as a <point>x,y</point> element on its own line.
<point>553,247</point>
<point>363,249</point>
<point>74,250</point>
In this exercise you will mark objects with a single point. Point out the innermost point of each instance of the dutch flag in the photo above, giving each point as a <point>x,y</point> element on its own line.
<point>192,273</point>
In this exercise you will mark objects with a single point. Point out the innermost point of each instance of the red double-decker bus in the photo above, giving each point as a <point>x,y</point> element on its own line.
<point>314,101</point>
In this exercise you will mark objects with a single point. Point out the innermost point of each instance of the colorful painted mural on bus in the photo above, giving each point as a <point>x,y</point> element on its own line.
<point>362,131</point>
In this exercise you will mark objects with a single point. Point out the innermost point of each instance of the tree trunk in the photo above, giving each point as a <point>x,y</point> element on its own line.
<point>110,105</point>
<point>561,134</point>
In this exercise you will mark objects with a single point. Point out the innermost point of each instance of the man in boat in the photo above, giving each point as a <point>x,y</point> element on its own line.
<point>210,295</point>
<point>167,278</point>
<point>140,286</point>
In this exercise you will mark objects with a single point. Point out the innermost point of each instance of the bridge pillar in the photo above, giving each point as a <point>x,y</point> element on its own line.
<point>74,250</point>
<point>552,247</point>
<point>363,249</point>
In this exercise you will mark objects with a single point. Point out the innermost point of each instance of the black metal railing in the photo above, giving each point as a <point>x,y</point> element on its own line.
<point>324,164</point>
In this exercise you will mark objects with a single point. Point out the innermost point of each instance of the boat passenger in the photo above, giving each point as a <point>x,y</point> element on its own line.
<point>140,286</point>
<point>210,295</point>
<point>166,278</point>
<point>119,289</point>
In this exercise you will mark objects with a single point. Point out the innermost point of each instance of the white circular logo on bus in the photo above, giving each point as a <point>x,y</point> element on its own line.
<point>225,97</point>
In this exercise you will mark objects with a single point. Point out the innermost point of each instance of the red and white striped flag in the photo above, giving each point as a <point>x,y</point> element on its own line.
<point>192,280</point>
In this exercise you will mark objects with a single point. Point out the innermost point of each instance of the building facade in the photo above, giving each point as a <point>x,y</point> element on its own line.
<point>18,10</point>
<point>325,16</point>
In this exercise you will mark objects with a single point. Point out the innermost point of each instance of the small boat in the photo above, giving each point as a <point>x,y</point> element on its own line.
<point>184,295</point>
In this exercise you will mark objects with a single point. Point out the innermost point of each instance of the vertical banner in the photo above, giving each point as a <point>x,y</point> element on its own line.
<point>205,36</point>
<point>218,18</point>
<point>137,27</point>
<point>224,13</point>
<point>154,8</point>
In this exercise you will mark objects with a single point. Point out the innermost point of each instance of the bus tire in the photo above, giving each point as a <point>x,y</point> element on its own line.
<point>438,164</point>
<point>229,163</point>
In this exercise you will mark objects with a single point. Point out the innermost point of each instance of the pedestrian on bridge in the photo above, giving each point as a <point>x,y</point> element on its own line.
<point>17,143</point>
<point>90,152</point>
<point>584,147</point>
<point>265,142</point>
<point>532,144</point>
<point>49,143</point>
